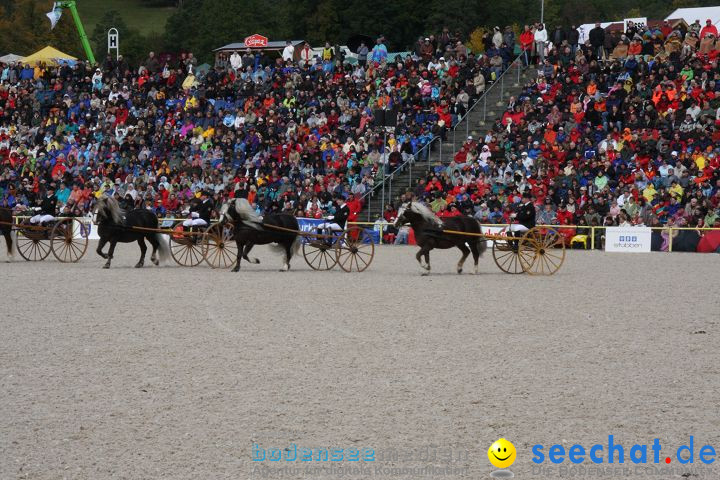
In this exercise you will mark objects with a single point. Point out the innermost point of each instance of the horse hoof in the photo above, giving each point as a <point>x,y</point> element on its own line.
<point>106,265</point>
<point>459,271</point>
<point>424,274</point>
<point>256,261</point>
<point>235,270</point>
<point>156,262</point>
<point>138,265</point>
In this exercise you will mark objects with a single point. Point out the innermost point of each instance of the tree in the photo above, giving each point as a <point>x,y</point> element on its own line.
<point>133,45</point>
<point>25,28</point>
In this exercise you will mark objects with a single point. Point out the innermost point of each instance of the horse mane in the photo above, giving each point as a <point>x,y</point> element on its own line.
<point>247,213</point>
<point>111,205</point>
<point>425,213</point>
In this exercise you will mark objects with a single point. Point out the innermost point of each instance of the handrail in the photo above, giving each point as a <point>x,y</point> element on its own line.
<point>483,98</point>
<point>398,169</point>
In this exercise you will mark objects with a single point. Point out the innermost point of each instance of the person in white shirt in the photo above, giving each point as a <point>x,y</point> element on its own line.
<point>236,61</point>
<point>289,52</point>
<point>540,41</point>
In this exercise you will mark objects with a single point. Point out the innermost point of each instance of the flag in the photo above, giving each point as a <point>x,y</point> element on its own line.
<point>54,16</point>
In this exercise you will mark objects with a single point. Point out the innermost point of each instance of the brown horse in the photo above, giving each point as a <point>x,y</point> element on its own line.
<point>7,231</point>
<point>430,233</point>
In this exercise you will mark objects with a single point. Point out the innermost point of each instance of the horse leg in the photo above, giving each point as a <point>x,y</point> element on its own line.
<point>143,251</point>
<point>427,260</point>
<point>8,240</point>
<point>101,245</point>
<point>110,254</point>
<point>155,245</point>
<point>249,247</point>
<point>475,254</point>
<point>465,252</point>
<point>424,251</point>
<point>240,248</point>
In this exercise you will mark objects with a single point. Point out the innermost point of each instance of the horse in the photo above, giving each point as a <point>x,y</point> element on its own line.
<point>7,231</point>
<point>429,234</point>
<point>114,225</point>
<point>250,230</point>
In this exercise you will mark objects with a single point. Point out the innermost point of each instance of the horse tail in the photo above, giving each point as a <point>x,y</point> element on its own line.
<point>481,242</point>
<point>164,247</point>
<point>297,243</point>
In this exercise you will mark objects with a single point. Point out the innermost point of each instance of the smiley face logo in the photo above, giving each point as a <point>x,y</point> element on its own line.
<point>502,453</point>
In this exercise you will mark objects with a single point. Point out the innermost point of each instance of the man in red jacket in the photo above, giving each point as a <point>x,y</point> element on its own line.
<point>526,41</point>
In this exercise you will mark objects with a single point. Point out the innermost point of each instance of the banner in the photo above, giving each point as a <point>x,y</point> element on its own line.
<point>310,225</point>
<point>54,16</point>
<point>627,239</point>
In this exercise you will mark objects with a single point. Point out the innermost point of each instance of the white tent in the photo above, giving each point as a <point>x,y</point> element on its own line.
<point>10,58</point>
<point>699,13</point>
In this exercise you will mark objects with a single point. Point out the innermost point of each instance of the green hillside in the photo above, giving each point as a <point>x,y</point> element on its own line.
<point>135,13</point>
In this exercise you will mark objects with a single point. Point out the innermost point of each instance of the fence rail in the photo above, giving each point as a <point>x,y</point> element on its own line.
<point>383,225</point>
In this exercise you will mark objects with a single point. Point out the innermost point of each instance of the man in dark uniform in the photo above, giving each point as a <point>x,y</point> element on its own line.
<point>48,207</point>
<point>337,222</point>
<point>525,215</point>
<point>200,212</point>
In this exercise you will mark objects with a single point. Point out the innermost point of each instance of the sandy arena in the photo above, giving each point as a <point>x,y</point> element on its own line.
<point>174,373</point>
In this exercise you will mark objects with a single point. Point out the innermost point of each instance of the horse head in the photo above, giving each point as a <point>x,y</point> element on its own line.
<point>401,218</point>
<point>108,209</point>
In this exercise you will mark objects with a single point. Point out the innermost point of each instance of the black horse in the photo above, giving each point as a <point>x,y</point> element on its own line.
<point>429,234</point>
<point>6,220</point>
<point>250,230</point>
<point>114,225</point>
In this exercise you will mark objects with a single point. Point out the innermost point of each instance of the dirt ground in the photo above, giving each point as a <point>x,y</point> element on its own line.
<point>175,373</point>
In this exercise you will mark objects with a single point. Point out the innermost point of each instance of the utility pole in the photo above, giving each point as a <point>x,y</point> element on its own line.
<point>70,5</point>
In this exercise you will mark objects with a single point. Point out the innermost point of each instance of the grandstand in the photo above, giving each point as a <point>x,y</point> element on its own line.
<point>631,112</point>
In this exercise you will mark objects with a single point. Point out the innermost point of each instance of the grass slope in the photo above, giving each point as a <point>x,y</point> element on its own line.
<point>135,14</point>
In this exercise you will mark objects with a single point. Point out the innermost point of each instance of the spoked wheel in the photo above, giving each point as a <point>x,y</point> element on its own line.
<point>66,247</point>
<point>33,246</point>
<point>320,253</point>
<point>186,250</point>
<point>219,247</point>
<point>543,251</point>
<point>356,250</point>
<point>505,254</point>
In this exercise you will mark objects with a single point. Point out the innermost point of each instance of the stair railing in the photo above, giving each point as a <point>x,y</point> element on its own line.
<point>517,63</point>
<point>379,184</point>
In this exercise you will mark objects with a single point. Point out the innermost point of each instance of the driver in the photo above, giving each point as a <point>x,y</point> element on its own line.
<point>336,222</point>
<point>48,207</point>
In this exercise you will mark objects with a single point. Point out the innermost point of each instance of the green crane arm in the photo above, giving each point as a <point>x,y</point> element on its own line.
<point>70,4</point>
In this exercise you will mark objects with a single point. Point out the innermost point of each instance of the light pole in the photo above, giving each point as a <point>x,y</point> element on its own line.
<point>542,11</point>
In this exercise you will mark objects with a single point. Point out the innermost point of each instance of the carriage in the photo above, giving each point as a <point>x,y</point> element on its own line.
<point>540,251</point>
<point>352,249</point>
<point>65,237</point>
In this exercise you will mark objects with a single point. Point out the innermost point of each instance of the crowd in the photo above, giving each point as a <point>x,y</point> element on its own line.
<point>621,129</point>
<point>603,135</point>
<point>289,133</point>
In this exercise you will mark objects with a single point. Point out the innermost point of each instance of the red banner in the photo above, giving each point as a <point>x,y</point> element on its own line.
<point>256,41</point>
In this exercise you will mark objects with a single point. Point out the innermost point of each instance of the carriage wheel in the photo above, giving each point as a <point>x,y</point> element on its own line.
<point>186,250</point>
<point>356,250</point>
<point>35,247</point>
<point>505,254</point>
<point>545,251</point>
<point>65,246</point>
<point>219,247</point>
<point>319,253</point>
